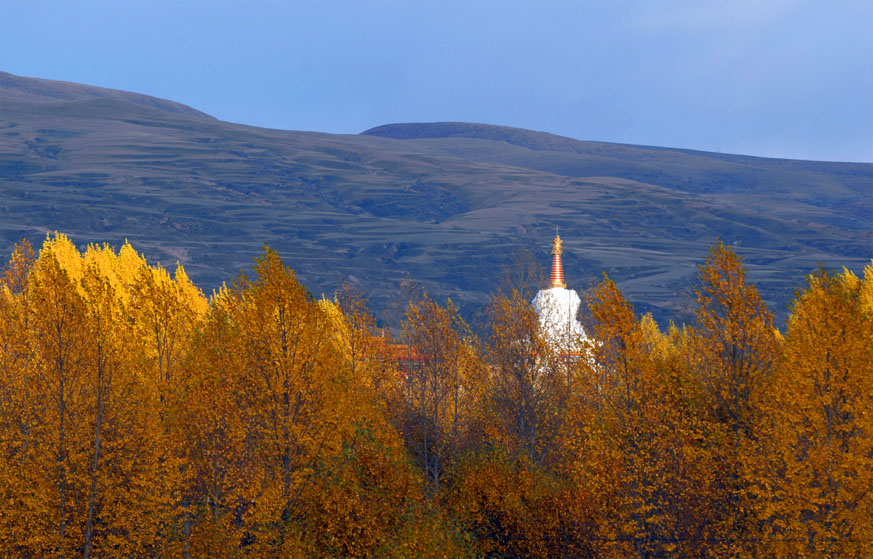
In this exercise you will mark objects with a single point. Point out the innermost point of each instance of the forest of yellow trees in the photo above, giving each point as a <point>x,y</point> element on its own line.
<point>140,418</point>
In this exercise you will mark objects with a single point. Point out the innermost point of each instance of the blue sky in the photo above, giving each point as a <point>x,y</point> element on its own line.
<point>780,78</point>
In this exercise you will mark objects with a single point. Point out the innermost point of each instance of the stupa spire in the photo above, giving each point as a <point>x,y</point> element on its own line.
<point>557,267</point>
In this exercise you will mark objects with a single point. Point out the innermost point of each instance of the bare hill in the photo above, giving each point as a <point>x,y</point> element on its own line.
<point>445,204</point>
<point>35,90</point>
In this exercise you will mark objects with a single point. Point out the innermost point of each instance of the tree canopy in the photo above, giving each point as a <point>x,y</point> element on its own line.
<point>139,418</point>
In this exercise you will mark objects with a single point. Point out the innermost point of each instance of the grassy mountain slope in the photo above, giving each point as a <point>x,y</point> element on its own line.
<point>17,88</point>
<point>445,204</point>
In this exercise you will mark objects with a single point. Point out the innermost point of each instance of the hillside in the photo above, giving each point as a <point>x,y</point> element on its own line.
<point>446,204</point>
<point>35,90</point>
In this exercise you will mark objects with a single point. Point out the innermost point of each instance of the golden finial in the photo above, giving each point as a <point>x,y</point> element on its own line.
<point>556,245</point>
<point>557,267</point>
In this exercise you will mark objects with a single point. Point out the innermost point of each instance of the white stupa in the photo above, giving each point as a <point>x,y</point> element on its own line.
<point>557,307</point>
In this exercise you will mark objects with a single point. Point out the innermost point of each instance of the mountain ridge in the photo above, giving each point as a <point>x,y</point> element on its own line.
<point>42,90</point>
<point>540,140</point>
<point>447,212</point>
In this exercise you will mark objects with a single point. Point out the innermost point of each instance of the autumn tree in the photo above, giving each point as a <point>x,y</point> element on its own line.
<point>824,417</point>
<point>17,419</point>
<point>732,351</point>
<point>441,386</point>
<point>511,491</point>
<point>138,419</point>
<point>362,345</point>
<point>60,363</point>
<point>281,353</point>
<point>527,383</point>
<point>513,508</point>
<point>289,446</point>
<point>735,340</point>
<point>165,313</point>
<point>635,439</point>
<point>84,476</point>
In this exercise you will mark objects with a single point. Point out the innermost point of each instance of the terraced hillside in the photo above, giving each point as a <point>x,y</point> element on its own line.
<point>446,204</point>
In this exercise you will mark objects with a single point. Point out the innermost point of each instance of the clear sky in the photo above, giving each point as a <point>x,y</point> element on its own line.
<point>780,78</point>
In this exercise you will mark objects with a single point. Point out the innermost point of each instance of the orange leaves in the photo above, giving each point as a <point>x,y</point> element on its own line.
<point>441,388</point>
<point>637,449</point>
<point>824,414</point>
<point>515,509</point>
<point>80,452</point>
<point>287,447</point>
<point>17,269</point>
<point>138,419</point>
<point>527,382</point>
<point>136,416</point>
<point>734,346</point>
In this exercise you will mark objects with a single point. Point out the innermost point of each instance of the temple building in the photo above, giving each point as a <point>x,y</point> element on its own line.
<point>557,307</point>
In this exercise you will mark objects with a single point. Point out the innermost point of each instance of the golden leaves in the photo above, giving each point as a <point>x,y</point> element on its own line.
<point>139,419</point>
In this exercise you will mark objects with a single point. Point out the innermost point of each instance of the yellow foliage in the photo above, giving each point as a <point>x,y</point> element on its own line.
<point>139,419</point>
<point>823,415</point>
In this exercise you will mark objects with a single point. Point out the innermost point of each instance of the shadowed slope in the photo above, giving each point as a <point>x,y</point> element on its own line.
<point>448,211</point>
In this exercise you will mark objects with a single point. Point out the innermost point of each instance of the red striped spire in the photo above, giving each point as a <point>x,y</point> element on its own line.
<point>557,267</point>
